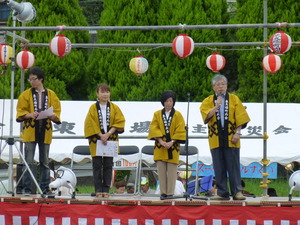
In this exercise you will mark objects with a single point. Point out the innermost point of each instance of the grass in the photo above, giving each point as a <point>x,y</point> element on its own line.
<point>252,185</point>
<point>281,186</point>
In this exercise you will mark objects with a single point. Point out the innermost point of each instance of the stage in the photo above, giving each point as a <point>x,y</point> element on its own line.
<point>154,200</point>
<point>148,210</point>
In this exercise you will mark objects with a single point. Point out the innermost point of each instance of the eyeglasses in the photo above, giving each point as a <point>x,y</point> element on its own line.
<point>33,79</point>
<point>220,84</point>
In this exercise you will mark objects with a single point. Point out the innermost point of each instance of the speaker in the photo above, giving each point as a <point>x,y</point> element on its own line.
<point>19,174</point>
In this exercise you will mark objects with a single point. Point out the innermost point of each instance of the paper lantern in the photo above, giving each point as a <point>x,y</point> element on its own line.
<point>60,45</point>
<point>5,54</point>
<point>25,59</point>
<point>280,42</point>
<point>215,62</point>
<point>271,63</point>
<point>183,46</point>
<point>138,65</point>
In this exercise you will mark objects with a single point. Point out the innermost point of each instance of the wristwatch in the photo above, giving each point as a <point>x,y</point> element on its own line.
<point>238,132</point>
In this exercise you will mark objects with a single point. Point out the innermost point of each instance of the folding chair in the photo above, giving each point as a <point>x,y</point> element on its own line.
<point>149,149</point>
<point>132,151</point>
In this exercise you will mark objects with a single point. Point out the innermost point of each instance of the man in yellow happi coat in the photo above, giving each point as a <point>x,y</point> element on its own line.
<point>226,116</point>
<point>37,131</point>
<point>168,130</point>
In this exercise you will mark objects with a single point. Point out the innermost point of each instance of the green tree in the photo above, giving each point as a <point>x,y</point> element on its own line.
<point>66,76</point>
<point>166,70</point>
<point>282,86</point>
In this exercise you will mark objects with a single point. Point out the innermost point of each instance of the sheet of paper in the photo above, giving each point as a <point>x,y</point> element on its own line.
<point>44,114</point>
<point>109,150</point>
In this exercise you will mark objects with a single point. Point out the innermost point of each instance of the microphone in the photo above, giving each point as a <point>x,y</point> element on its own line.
<point>220,94</point>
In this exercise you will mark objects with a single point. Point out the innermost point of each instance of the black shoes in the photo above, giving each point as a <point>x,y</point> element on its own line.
<point>164,196</point>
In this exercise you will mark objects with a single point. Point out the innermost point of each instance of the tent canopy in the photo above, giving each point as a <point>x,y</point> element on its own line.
<point>282,128</point>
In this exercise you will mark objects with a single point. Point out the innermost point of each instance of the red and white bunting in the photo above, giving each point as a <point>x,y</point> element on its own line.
<point>215,62</point>
<point>60,45</point>
<point>183,46</point>
<point>271,63</point>
<point>25,59</point>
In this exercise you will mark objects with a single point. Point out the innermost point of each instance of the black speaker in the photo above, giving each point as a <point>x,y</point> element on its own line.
<point>20,186</point>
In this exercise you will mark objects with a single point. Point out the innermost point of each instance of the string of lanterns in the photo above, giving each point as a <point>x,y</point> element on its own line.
<point>182,46</point>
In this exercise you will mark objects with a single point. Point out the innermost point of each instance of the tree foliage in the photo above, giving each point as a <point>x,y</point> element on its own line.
<point>166,70</point>
<point>282,86</point>
<point>63,75</point>
<point>77,75</point>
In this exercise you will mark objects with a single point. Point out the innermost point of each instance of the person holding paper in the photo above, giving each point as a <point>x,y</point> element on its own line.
<point>168,130</point>
<point>103,122</point>
<point>30,104</point>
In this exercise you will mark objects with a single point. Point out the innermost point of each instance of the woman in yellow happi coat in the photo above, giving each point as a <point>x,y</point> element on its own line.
<point>168,130</point>
<point>103,122</point>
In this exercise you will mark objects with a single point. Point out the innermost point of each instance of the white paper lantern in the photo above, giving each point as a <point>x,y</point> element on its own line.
<point>60,45</point>
<point>25,59</point>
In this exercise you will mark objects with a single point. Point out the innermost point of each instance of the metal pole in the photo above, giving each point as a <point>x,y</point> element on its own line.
<point>265,99</point>
<point>10,140</point>
<point>167,27</point>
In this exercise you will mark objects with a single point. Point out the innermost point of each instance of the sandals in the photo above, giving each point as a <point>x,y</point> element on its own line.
<point>102,195</point>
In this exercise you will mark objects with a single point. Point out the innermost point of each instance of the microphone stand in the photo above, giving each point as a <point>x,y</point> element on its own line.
<point>186,194</point>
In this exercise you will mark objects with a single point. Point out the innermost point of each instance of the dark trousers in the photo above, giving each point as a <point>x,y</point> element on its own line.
<point>226,162</point>
<point>102,172</point>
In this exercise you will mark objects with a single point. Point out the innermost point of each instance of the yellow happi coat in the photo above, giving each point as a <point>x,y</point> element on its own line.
<point>92,125</point>
<point>238,116</point>
<point>26,105</point>
<point>177,132</point>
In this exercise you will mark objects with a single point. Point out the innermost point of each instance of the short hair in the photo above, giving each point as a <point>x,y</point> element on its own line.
<point>218,77</point>
<point>39,72</point>
<point>103,87</point>
<point>120,183</point>
<point>166,95</point>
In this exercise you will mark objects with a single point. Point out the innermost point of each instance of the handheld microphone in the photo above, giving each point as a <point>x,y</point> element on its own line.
<point>220,94</point>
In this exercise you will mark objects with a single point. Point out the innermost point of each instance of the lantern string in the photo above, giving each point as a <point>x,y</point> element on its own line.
<point>182,26</point>
<point>283,24</point>
<point>60,29</point>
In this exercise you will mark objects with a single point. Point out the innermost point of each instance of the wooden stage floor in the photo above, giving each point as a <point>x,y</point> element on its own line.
<point>127,200</point>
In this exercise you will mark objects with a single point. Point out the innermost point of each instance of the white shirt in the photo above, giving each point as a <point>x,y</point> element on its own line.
<point>179,188</point>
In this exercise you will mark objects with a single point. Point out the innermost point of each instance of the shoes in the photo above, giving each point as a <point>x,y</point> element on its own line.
<point>239,196</point>
<point>219,198</point>
<point>102,195</point>
<point>169,197</point>
<point>105,195</point>
<point>163,197</point>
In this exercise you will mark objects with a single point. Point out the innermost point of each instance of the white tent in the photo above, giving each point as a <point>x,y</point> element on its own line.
<point>282,120</point>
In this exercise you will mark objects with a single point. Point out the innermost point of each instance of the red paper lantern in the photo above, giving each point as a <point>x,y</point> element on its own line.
<point>271,63</point>
<point>60,45</point>
<point>25,59</point>
<point>280,42</point>
<point>215,62</point>
<point>5,54</point>
<point>183,46</point>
